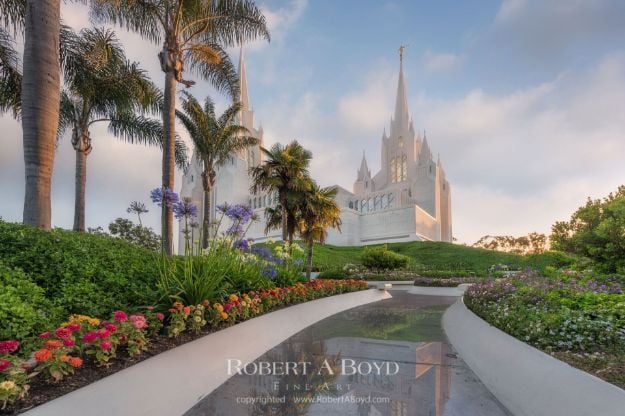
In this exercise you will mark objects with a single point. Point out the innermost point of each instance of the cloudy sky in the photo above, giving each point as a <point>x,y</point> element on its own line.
<point>524,100</point>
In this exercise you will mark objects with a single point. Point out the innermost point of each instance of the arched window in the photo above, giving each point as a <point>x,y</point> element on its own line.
<point>370,205</point>
<point>264,200</point>
<point>404,168</point>
<point>377,203</point>
<point>384,201</point>
<point>351,204</point>
<point>391,200</point>
<point>393,170</point>
<point>363,205</point>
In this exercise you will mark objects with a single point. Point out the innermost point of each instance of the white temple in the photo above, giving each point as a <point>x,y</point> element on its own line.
<point>409,199</point>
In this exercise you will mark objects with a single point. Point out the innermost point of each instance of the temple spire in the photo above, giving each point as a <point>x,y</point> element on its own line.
<point>363,171</point>
<point>401,119</point>
<point>243,95</point>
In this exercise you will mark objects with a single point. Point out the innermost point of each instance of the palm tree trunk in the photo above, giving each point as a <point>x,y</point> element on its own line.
<point>309,258</point>
<point>79,199</point>
<point>284,220</point>
<point>40,107</point>
<point>206,217</point>
<point>169,115</point>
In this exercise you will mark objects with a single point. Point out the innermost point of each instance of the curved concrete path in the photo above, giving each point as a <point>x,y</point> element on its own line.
<point>170,383</point>
<point>526,380</point>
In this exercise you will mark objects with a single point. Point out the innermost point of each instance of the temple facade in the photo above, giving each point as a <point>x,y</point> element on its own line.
<point>408,199</point>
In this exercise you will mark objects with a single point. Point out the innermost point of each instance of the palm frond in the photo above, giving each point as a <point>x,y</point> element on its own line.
<point>222,75</point>
<point>145,17</point>
<point>12,13</point>
<point>10,75</point>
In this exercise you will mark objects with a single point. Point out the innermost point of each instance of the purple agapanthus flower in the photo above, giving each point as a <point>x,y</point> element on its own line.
<point>239,213</point>
<point>243,244</point>
<point>223,208</point>
<point>235,230</point>
<point>185,209</point>
<point>269,272</point>
<point>160,195</point>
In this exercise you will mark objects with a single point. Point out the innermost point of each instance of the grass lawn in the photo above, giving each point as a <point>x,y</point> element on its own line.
<point>429,255</point>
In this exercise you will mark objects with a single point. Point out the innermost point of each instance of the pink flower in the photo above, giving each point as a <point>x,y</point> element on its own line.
<point>63,333</point>
<point>138,321</point>
<point>90,336</point>
<point>227,307</point>
<point>69,342</point>
<point>7,347</point>
<point>120,316</point>
<point>160,316</point>
<point>111,328</point>
<point>105,345</point>
<point>74,326</point>
<point>4,364</point>
<point>45,335</point>
<point>103,333</point>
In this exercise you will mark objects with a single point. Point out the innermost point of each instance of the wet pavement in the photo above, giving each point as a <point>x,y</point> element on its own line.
<point>388,358</point>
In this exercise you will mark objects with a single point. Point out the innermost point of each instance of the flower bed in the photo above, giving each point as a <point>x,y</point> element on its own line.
<point>445,282</point>
<point>410,275</point>
<point>573,317</point>
<point>84,348</point>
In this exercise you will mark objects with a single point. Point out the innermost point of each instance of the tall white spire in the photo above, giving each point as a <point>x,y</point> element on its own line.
<point>363,171</point>
<point>401,120</point>
<point>243,95</point>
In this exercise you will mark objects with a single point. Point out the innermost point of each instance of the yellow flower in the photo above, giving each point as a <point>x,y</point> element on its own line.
<point>234,298</point>
<point>85,318</point>
<point>7,385</point>
<point>243,304</point>
<point>218,307</point>
<point>224,316</point>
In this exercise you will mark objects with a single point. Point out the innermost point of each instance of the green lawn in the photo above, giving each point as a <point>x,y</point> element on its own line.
<point>429,255</point>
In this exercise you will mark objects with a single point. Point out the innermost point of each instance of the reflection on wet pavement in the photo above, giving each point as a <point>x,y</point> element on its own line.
<point>386,358</point>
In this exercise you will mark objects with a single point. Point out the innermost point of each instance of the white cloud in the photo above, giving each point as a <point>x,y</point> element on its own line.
<point>279,22</point>
<point>441,62</point>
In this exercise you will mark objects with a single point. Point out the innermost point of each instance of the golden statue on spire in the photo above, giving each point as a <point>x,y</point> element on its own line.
<point>401,52</point>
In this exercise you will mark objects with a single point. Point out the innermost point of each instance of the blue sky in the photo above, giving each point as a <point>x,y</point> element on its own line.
<point>523,99</point>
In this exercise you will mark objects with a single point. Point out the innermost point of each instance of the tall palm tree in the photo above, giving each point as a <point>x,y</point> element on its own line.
<point>318,211</point>
<point>193,33</point>
<point>12,20</point>
<point>285,171</point>
<point>215,140</point>
<point>40,90</point>
<point>104,87</point>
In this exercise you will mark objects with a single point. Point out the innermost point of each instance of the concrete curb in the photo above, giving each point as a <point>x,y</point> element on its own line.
<point>172,382</point>
<point>524,379</point>
<point>439,291</point>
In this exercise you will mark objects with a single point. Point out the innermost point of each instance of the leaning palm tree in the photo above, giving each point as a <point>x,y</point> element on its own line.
<point>215,140</point>
<point>284,171</point>
<point>40,90</point>
<point>104,87</point>
<point>317,212</point>
<point>194,33</point>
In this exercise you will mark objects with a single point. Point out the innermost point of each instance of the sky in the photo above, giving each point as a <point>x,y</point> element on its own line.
<point>524,100</point>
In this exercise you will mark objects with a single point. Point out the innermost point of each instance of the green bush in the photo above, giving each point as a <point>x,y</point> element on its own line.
<point>81,272</point>
<point>381,258</point>
<point>24,309</point>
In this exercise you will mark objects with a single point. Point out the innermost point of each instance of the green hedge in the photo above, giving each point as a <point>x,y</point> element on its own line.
<point>81,272</point>
<point>381,258</point>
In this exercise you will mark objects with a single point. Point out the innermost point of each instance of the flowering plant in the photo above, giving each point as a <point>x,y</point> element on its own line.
<point>54,355</point>
<point>13,377</point>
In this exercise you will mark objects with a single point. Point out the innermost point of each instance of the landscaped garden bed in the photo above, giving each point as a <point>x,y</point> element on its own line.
<point>84,349</point>
<point>445,282</point>
<point>576,317</point>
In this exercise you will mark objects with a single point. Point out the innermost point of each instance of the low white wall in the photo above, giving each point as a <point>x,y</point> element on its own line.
<point>524,379</point>
<point>172,382</point>
<point>439,291</point>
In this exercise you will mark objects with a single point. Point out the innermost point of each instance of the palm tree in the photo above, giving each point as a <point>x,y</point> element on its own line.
<point>195,33</point>
<point>284,171</point>
<point>317,212</point>
<point>215,140</point>
<point>40,90</point>
<point>10,75</point>
<point>103,87</point>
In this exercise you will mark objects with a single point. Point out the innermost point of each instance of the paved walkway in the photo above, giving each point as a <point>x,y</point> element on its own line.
<point>407,367</point>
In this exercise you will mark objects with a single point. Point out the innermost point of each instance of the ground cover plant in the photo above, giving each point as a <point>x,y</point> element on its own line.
<point>578,317</point>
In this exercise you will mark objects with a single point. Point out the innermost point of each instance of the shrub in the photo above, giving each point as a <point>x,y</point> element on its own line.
<point>24,310</point>
<point>382,258</point>
<point>82,272</point>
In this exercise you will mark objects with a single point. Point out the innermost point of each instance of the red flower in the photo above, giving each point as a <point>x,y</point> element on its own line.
<point>103,333</point>
<point>160,316</point>
<point>63,332</point>
<point>74,326</point>
<point>45,335</point>
<point>187,310</point>
<point>52,344</point>
<point>4,364</point>
<point>120,316</point>
<point>69,342</point>
<point>105,345</point>
<point>90,336</point>
<point>227,307</point>
<point>7,347</point>
<point>111,327</point>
